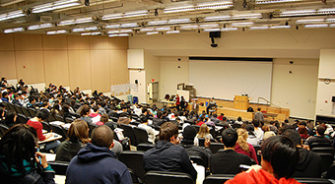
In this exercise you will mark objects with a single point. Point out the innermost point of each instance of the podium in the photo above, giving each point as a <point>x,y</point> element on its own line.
<point>241,102</point>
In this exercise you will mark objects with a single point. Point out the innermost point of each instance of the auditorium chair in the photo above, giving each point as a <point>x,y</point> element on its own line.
<point>59,130</point>
<point>317,144</point>
<point>59,167</point>
<point>331,172</point>
<point>129,132</point>
<point>3,129</point>
<point>46,126</point>
<point>59,118</point>
<point>163,177</point>
<point>32,112</point>
<point>134,161</point>
<point>198,160</point>
<point>145,146</point>
<point>69,120</point>
<point>18,109</point>
<point>22,119</point>
<point>201,142</point>
<point>141,135</point>
<point>196,127</point>
<point>11,107</point>
<point>215,146</point>
<point>51,118</point>
<point>218,178</point>
<point>26,112</point>
<point>313,180</point>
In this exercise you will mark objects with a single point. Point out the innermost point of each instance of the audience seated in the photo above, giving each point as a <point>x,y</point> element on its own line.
<point>227,160</point>
<point>319,138</point>
<point>96,163</point>
<point>167,155</point>
<point>204,133</point>
<point>19,161</point>
<point>243,147</point>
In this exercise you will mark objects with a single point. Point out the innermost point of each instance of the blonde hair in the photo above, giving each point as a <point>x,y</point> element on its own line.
<point>242,139</point>
<point>203,131</point>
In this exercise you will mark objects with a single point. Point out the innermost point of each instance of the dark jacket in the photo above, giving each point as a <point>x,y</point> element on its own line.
<point>204,153</point>
<point>228,162</point>
<point>166,156</point>
<point>309,165</point>
<point>317,140</point>
<point>95,164</point>
<point>67,150</point>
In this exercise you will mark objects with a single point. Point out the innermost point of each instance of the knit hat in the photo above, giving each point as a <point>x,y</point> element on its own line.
<point>123,120</point>
<point>188,134</point>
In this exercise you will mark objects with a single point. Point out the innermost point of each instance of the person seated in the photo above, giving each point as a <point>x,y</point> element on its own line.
<point>243,147</point>
<point>96,163</point>
<point>77,139</point>
<point>204,133</point>
<point>227,160</point>
<point>84,114</point>
<point>9,119</point>
<point>252,139</point>
<point>319,138</point>
<point>19,161</point>
<point>167,155</point>
<point>189,134</point>
<point>279,159</point>
<point>309,162</point>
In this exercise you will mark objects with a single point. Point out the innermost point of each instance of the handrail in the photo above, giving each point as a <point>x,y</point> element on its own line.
<point>268,102</point>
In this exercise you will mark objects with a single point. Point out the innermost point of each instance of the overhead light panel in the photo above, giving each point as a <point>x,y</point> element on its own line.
<point>113,31</point>
<point>162,28</point>
<point>147,29</point>
<point>217,18</point>
<point>173,32</point>
<point>55,5</point>
<point>292,13</point>
<point>179,21</point>
<point>136,13</point>
<point>177,9</point>
<point>118,35</point>
<point>152,33</point>
<point>129,25</point>
<point>11,15</point>
<point>56,32</point>
<point>112,16</point>
<point>126,30</point>
<point>242,24</point>
<point>81,29</point>
<point>316,25</point>
<point>229,29</point>
<point>215,5</point>
<point>40,26</point>
<point>112,26</point>
<point>259,27</point>
<point>331,25</point>
<point>275,1</point>
<point>189,26</point>
<point>212,30</point>
<point>75,21</point>
<point>14,30</point>
<point>11,2</point>
<point>307,21</point>
<point>247,16</point>
<point>157,22</point>
<point>90,33</point>
<point>209,25</point>
<point>326,11</point>
<point>330,19</point>
<point>280,27</point>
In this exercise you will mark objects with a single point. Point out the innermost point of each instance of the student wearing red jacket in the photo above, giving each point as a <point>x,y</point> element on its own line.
<point>35,122</point>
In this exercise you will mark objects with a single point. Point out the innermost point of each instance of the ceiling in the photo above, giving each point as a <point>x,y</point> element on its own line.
<point>138,17</point>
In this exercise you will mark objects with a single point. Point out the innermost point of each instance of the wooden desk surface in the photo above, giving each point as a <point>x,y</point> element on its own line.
<point>54,137</point>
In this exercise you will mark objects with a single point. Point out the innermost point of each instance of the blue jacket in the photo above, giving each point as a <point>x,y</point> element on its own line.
<point>95,164</point>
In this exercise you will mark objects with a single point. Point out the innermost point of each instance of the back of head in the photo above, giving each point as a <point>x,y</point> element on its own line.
<point>229,137</point>
<point>282,154</point>
<point>168,130</point>
<point>18,144</point>
<point>293,135</point>
<point>78,131</point>
<point>320,130</point>
<point>255,123</point>
<point>203,131</point>
<point>43,114</point>
<point>102,136</point>
<point>242,139</point>
<point>104,118</point>
<point>189,133</point>
<point>85,109</point>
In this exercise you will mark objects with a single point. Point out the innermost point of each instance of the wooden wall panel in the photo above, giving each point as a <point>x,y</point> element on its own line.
<point>80,69</point>
<point>28,42</point>
<point>78,42</point>
<point>29,66</point>
<point>6,42</point>
<point>119,67</point>
<point>100,64</point>
<point>99,43</point>
<point>54,42</point>
<point>118,43</point>
<point>7,63</point>
<point>56,67</point>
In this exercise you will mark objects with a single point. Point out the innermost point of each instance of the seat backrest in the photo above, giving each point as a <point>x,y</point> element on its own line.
<point>26,112</point>
<point>198,160</point>
<point>32,112</point>
<point>326,160</point>
<point>319,144</point>
<point>59,167</point>
<point>141,135</point>
<point>196,127</point>
<point>214,147</point>
<point>18,109</point>
<point>129,132</point>
<point>144,146</point>
<point>21,119</point>
<point>323,149</point>
<point>68,120</point>
<point>59,118</point>
<point>313,180</point>
<point>46,126</point>
<point>3,129</point>
<point>134,161</point>
<point>218,178</point>
<point>11,107</point>
<point>59,130</point>
<point>160,177</point>
<point>201,142</point>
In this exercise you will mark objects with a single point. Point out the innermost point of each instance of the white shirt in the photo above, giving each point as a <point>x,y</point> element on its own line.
<point>259,133</point>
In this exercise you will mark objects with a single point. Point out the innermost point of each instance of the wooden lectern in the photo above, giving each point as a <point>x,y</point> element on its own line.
<point>241,102</point>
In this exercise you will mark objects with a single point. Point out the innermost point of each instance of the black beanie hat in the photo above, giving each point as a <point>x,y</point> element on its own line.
<point>189,133</point>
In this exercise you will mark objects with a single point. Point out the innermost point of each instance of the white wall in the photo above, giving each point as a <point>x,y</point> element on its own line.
<point>140,91</point>
<point>152,70</point>
<point>296,90</point>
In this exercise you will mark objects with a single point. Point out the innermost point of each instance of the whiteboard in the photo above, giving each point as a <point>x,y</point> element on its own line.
<point>225,79</point>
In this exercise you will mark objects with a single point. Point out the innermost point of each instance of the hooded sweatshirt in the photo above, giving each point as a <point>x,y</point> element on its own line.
<point>95,164</point>
<point>261,176</point>
<point>309,165</point>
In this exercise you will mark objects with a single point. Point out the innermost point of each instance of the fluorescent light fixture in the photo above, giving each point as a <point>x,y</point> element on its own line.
<point>297,13</point>
<point>179,9</point>
<point>259,27</point>
<point>113,31</point>
<point>216,18</point>
<point>128,25</point>
<point>126,30</point>
<point>147,29</point>
<point>316,25</point>
<point>326,11</point>
<point>90,33</point>
<point>112,26</point>
<point>112,16</point>
<point>242,24</point>
<point>179,21</point>
<point>215,5</point>
<point>229,29</point>
<point>113,35</point>
<point>136,13</point>
<point>40,26</point>
<point>166,28</point>
<point>152,33</point>
<point>173,32</point>
<point>81,29</point>
<point>157,22</point>
<point>75,21</point>
<point>274,1</point>
<point>123,34</point>
<point>118,35</point>
<point>306,21</point>
<point>11,15</point>
<point>209,25</point>
<point>55,5</point>
<point>212,30</point>
<point>280,27</point>
<point>11,2</point>
<point>14,30</point>
<point>56,32</point>
<point>330,19</point>
<point>331,25</point>
<point>247,16</point>
<point>189,26</point>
